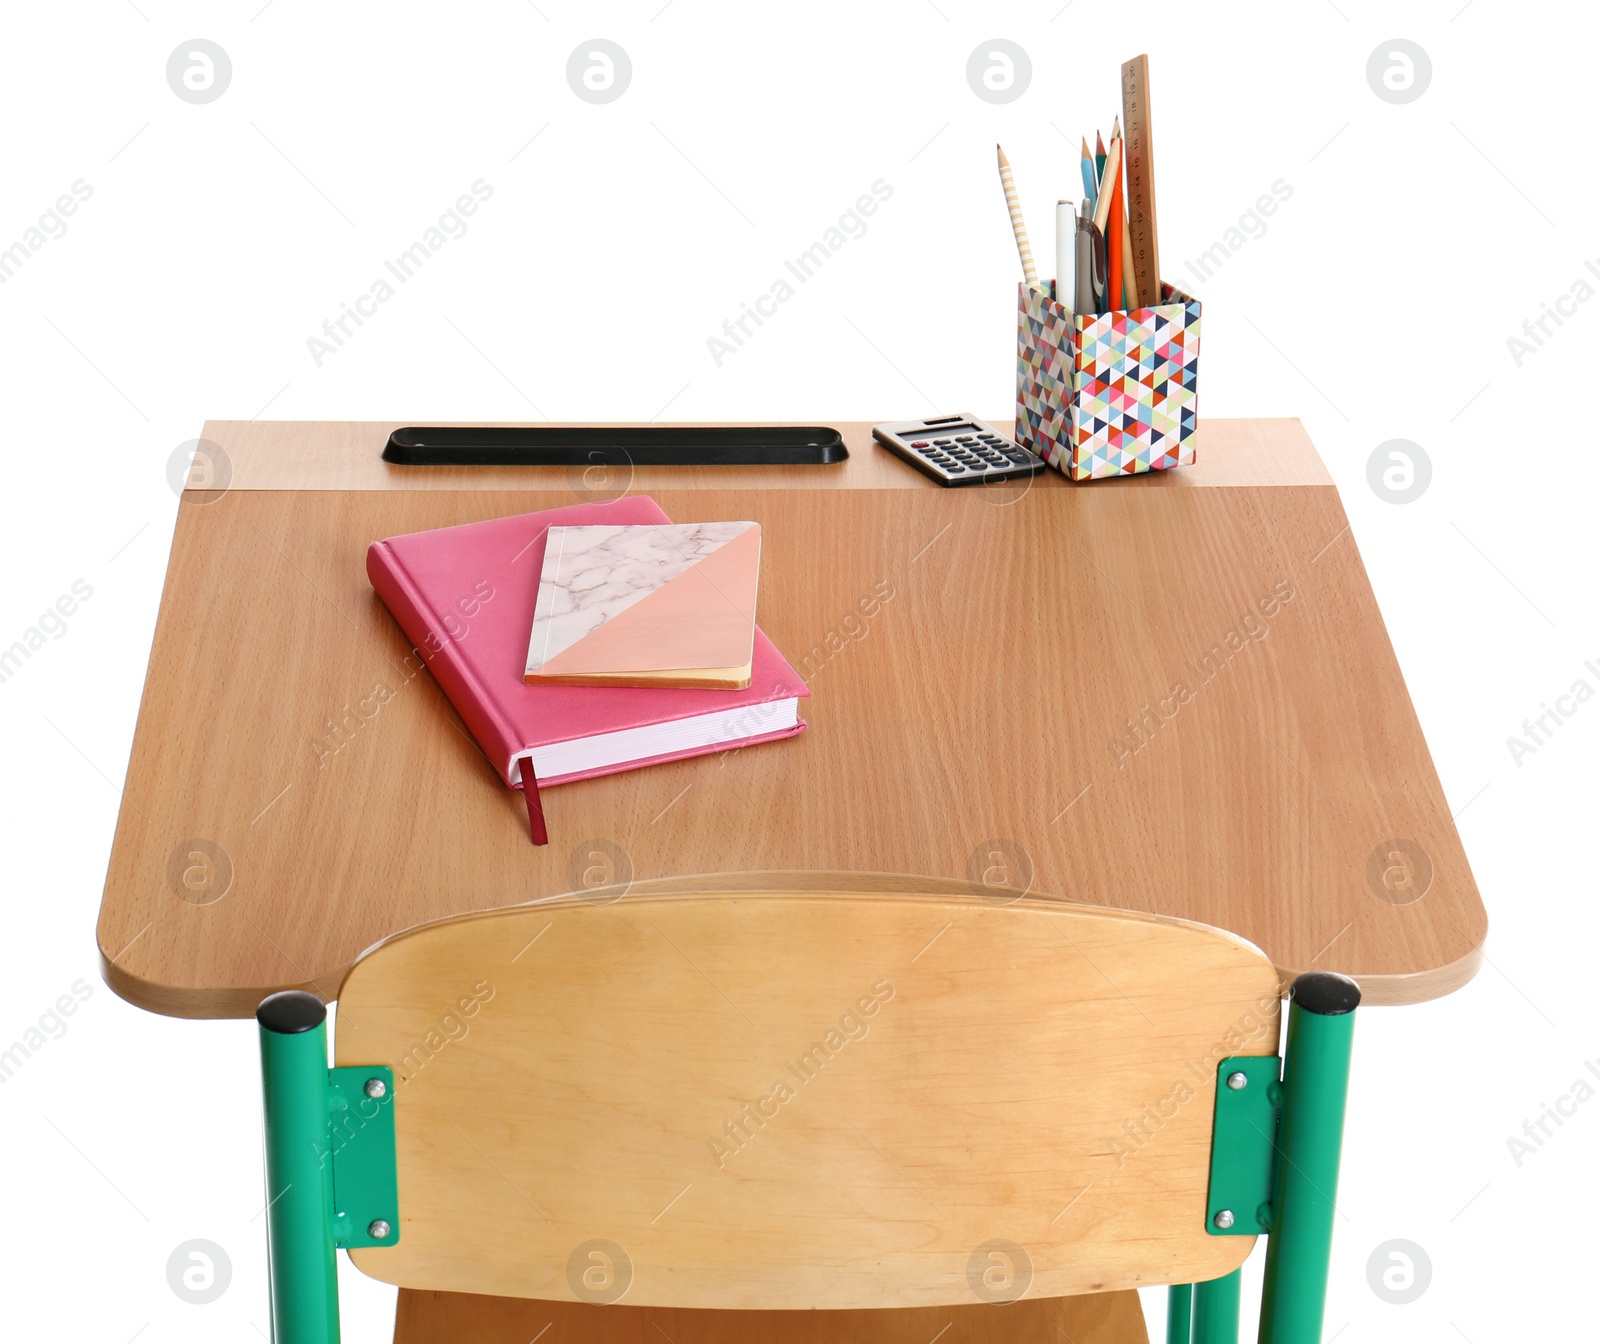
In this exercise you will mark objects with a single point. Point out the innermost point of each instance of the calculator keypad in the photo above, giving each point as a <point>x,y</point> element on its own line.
<point>949,458</point>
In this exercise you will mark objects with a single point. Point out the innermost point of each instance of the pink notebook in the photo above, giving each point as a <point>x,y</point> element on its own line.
<point>465,598</point>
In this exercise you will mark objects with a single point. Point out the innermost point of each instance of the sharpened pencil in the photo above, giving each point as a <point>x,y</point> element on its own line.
<point>1017,226</point>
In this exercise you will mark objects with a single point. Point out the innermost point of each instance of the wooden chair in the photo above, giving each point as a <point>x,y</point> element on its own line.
<point>805,1107</point>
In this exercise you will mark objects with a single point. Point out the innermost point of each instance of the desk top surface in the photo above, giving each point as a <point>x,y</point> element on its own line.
<point>1171,693</point>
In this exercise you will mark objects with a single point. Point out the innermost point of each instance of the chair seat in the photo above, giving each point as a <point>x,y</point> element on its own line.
<point>466,1318</point>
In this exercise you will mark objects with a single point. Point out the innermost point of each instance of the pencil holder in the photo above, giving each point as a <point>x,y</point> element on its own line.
<point>1107,394</point>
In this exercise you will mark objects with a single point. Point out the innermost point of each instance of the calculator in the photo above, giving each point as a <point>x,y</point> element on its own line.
<point>958,450</point>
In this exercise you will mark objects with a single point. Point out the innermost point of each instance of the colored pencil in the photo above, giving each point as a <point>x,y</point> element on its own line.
<point>1099,157</point>
<point>1129,294</point>
<point>1118,230</point>
<point>1017,227</point>
<point>1102,208</point>
<point>1091,183</point>
<point>1130,279</point>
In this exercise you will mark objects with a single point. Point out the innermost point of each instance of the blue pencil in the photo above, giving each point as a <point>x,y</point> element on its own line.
<point>1091,183</point>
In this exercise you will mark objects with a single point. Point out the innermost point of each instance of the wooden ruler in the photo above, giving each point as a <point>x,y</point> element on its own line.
<point>1140,184</point>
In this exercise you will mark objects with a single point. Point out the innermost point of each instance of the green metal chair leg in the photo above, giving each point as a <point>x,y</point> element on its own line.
<point>1216,1310</point>
<point>1180,1306</point>
<point>294,1082</point>
<point>1316,1079</point>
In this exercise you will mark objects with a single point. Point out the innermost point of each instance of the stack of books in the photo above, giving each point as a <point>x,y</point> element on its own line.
<point>601,637</point>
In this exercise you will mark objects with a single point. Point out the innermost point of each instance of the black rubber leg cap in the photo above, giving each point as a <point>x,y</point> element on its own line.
<point>291,1011</point>
<point>1326,993</point>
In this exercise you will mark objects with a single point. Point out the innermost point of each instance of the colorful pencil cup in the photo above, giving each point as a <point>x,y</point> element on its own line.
<point>1107,394</point>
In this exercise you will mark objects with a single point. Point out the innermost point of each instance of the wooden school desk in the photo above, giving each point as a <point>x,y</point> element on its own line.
<point>1172,693</point>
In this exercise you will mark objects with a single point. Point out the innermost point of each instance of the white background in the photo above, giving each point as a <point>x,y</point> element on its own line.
<point>1376,305</point>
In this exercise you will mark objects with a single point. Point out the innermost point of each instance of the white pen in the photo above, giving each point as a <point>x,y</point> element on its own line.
<point>1066,253</point>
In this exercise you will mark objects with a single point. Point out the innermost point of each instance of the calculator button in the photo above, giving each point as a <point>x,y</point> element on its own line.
<point>954,468</point>
<point>920,444</point>
<point>941,443</point>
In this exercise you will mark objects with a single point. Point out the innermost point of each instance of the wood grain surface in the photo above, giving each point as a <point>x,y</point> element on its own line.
<point>1151,693</point>
<point>347,455</point>
<point>460,1318</point>
<point>799,1100</point>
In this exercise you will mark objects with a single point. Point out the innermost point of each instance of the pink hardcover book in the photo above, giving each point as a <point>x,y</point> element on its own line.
<point>465,598</point>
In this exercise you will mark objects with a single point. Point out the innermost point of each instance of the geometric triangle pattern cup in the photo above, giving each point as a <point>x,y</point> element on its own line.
<point>1107,394</point>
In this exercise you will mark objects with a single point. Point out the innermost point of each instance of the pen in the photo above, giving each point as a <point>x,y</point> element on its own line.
<point>1098,276</point>
<point>1066,254</point>
<point>1084,298</point>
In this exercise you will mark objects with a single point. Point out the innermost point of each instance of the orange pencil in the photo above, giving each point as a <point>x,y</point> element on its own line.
<point>1130,285</point>
<point>1118,223</point>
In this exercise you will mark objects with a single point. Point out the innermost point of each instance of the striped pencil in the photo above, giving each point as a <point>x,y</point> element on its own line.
<point>1017,226</point>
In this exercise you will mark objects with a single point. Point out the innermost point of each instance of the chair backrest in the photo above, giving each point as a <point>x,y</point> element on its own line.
<point>817,1091</point>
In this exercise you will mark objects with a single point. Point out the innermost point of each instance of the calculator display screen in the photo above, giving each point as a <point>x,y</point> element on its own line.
<point>944,432</point>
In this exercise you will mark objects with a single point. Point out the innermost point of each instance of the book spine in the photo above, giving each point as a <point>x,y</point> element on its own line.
<point>495,735</point>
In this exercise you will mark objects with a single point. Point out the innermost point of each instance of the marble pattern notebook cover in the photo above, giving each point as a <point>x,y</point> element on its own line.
<point>671,605</point>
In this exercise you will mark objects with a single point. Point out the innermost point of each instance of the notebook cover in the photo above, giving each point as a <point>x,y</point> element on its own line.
<point>465,597</point>
<point>647,606</point>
